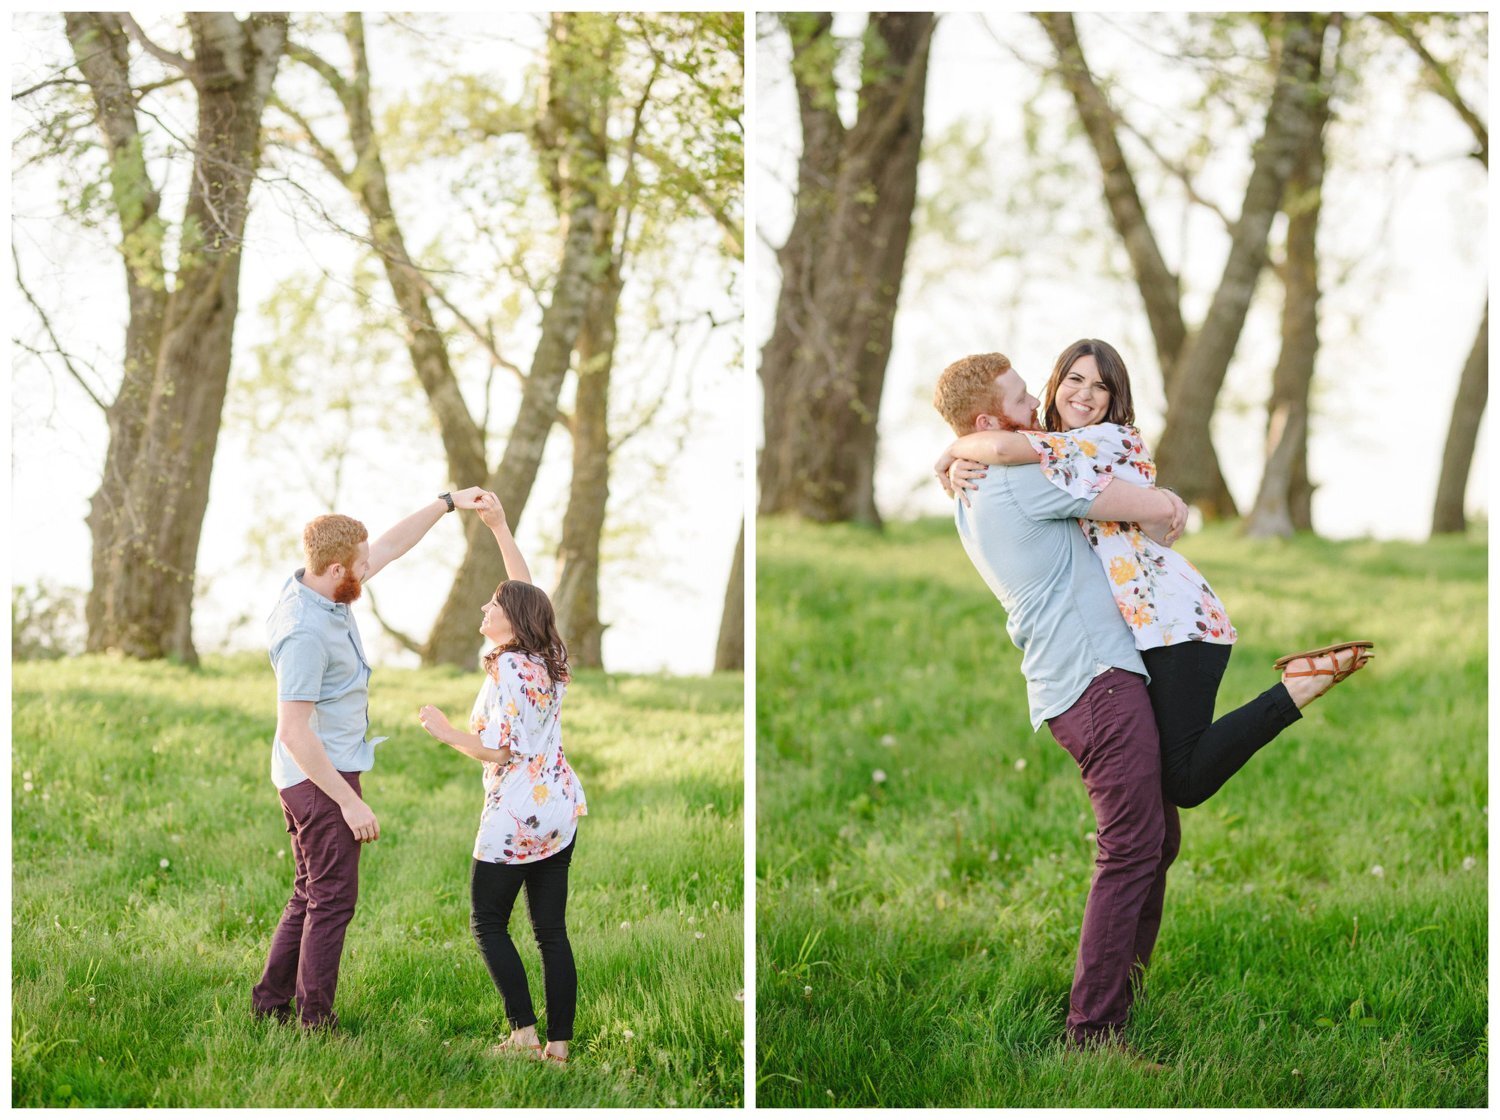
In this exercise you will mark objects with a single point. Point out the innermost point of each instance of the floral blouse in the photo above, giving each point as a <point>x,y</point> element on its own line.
<point>1161,596</point>
<point>533,801</point>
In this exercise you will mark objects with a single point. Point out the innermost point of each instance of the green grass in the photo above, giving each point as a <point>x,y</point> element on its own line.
<point>916,937</point>
<point>131,981</point>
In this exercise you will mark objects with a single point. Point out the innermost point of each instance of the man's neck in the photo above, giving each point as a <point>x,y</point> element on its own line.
<point>324,584</point>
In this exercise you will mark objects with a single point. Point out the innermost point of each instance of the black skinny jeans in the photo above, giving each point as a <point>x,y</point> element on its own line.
<point>492,893</point>
<point>1198,753</point>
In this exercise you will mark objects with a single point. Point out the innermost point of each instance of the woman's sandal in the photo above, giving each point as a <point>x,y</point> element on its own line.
<point>549,1056</point>
<point>1364,653</point>
<point>508,1049</point>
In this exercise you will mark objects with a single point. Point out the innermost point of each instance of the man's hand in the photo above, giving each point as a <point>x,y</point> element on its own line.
<point>469,499</point>
<point>361,821</point>
<point>1167,530</point>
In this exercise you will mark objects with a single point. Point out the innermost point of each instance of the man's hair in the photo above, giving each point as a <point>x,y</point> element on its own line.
<point>332,539</point>
<point>966,389</point>
<point>1112,372</point>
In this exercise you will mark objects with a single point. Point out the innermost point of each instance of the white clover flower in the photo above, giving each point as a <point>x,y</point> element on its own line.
<point>691,919</point>
<point>1091,837</point>
<point>624,925</point>
<point>878,777</point>
<point>887,740</point>
<point>716,904</point>
<point>27,787</point>
<point>26,776</point>
<point>1469,863</point>
<point>46,797</point>
<point>1248,888</point>
<point>166,863</point>
<point>1020,764</point>
<point>281,853</point>
<point>994,856</point>
<point>740,995</point>
<point>699,936</point>
<point>628,1034</point>
<point>807,989</point>
<point>1378,871</point>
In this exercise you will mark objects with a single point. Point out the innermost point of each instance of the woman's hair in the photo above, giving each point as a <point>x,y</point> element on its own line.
<point>1111,371</point>
<point>531,618</point>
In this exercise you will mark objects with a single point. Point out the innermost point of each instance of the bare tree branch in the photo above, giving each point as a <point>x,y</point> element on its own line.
<point>402,639</point>
<point>52,334</point>
<point>171,58</point>
<point>1443,82</point>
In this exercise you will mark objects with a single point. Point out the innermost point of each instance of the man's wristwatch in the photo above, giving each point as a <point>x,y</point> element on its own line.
<point>449,499</point>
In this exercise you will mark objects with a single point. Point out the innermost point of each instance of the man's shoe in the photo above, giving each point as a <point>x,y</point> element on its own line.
<point>1113,1051</point>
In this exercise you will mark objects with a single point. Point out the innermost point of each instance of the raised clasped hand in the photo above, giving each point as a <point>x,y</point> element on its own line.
<point>468,499</point>
<point>491,512</point>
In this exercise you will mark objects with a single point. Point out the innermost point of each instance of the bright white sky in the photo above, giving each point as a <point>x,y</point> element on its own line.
<point>1395,334</point>
<point>670,538</point>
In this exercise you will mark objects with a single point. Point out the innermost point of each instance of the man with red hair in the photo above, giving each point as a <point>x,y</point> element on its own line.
<point>1084,678</point>
<point>322,746</point>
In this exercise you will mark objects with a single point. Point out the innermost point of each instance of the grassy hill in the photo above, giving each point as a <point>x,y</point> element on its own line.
<point>923,858</point>
<point>151,864</point>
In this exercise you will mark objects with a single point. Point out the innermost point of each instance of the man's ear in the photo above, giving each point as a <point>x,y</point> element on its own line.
<point>984,422</point>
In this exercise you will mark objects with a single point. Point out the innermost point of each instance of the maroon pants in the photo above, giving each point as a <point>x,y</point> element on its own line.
<point>309,939</point>
<point>1111,734</point>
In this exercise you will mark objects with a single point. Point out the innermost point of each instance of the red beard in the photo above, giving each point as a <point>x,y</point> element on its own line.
<point>348,588</point>
<point>1009,425</point>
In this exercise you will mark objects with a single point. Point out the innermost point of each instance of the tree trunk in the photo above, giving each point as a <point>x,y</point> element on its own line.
<point>463,441</point>
<point>569,146</point>
<point>577,597</point>
<point>155,493</point>
<point>1185,456</point>
<point>823,368</point>
<point>730,653</point>
<point>101,49</point>
<point>1160,292</point>
<point>1463,432</point>
<point>1283,504</point>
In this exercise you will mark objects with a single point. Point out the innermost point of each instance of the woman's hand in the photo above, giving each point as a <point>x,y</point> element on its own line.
<point>961,477</point>
<point>491,512</point>
<point>436,724</point>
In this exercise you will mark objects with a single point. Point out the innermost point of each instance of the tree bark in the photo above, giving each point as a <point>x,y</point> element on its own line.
<point>823,368</point>
<point>1160,291</point>
<point>576,162</point>
<point>577,596</point>
<point>150,506</point>
<point>1463,433</point>
<point>730,653</point>
<point>1185,456</point>
<point>1283,503</point>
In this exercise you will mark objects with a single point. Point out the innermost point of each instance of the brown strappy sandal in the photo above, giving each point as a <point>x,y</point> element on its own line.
<point>1365,653</point>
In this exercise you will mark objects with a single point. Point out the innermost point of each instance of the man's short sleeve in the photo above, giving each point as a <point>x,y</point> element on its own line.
<point>300,661</point>
<point>1040,500</point>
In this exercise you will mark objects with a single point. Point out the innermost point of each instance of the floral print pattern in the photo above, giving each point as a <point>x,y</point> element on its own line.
<point>533,800</point>
<point>1160,595</point>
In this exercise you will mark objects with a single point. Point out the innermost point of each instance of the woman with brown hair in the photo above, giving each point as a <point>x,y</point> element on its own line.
<point>532,798</point>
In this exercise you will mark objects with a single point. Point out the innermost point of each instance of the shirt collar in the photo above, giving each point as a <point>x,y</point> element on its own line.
<point>315,597</point>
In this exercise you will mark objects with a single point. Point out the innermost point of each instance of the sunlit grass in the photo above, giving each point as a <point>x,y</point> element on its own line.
<point>923,858</point>
<point>151,864</point>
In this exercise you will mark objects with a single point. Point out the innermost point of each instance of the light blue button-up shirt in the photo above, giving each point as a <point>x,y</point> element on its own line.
<point>316,652</point>
<point>1023,539</point>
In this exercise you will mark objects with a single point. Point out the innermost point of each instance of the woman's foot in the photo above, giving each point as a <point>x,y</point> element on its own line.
<point>523,1042</point>
<point>556,1052</point>
<point>1307,676</point>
